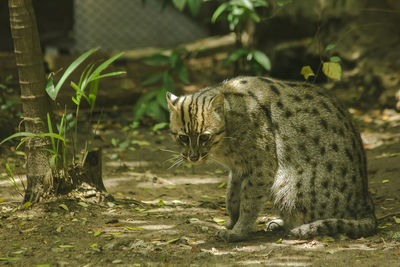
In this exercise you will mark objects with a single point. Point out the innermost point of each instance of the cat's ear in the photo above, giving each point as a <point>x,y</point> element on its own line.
<point>171,100</point>
<point>217,104</point>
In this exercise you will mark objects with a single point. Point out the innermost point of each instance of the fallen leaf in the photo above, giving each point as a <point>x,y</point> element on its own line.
<point>134,228</point>
<point>93,245</point>
<point>83,204</point>
<point>279,241</point>
<point>219,221</point>
<point>385,181</point>
<point>66,246</point>
<point>222,185</point>
<point>331,251</point>
<point>63,206</point>
<point>10,259</point>
<point>173,240</point>
<point>3,199</point>
<point>161,203</point>
<point>397,220</point>
<point>27,205</point>
<point>96,233</point>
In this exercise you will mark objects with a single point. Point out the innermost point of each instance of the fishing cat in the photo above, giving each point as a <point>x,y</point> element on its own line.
<point>290,140</point>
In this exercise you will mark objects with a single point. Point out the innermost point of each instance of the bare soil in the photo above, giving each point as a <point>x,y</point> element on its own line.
<point>169,217</point>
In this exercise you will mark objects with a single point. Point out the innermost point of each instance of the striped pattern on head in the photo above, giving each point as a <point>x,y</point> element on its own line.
<point>197,123</point>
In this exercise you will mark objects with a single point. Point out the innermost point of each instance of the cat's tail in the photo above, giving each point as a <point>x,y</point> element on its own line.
<point>352,228</point>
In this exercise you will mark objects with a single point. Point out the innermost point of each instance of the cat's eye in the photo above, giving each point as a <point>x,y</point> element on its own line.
<point>184,138</point>
<point>204,138</point>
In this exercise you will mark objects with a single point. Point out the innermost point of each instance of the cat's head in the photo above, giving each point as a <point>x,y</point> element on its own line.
<point>197,123</point>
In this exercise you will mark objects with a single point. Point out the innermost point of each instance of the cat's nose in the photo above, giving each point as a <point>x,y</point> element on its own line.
<point>194,157</point>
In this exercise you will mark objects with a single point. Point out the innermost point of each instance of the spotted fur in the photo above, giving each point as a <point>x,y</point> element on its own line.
<point>291,141</point>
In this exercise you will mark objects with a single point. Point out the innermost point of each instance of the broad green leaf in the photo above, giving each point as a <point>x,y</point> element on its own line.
<point>168,82</point>
<point>239,53</point>
<point>330,47</point>
<point>155,111</point>
<point>307,71</point>
<point>141,105</point>
<point>20,134</point>
<point>173,59</point>
<point>194,6</point>
<point>282,3</point>
<point>385,181</point>
<point>160,126</point>
<point>179,4</point>
<point>157,60</point>
<point>96,233</point>
<point>53,93</point>
<point>262,59</point>
<point>161,99</point>
<point>152,79</point>
<point>182,72</point>
<point>332,70</point>
<point>246,3</point>
<point>218,12</point>
<point>397,220</point>
<point>335,59</point>
<point>254,16</point>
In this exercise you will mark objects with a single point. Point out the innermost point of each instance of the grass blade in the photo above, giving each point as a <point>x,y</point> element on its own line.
<point>53,92</point>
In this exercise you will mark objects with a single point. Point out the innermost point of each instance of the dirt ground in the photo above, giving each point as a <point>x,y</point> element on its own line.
<point>169,217</point>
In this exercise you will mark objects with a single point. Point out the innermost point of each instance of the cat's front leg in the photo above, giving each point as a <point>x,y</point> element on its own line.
<point>233,200</point>
<point>252,198</point>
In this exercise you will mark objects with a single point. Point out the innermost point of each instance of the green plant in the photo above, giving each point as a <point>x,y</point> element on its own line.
<point>6,102</point>
<point>86,88</point>
<point>14,184</point>
<point>331,68</point>
<point>153,103</point>
<point>238,13</point>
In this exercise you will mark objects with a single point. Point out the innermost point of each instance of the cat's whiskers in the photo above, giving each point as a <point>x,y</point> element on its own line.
<point>174,158</point>
<point>170,151</point>
<point>177,163</point>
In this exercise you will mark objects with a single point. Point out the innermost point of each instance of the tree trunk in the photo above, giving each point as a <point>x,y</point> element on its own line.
<point>33,95</point>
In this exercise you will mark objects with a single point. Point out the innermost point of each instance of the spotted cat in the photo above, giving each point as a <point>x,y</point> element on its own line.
<point>288,140</point>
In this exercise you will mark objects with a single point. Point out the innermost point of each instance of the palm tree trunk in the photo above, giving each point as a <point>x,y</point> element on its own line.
<point>34,98</point>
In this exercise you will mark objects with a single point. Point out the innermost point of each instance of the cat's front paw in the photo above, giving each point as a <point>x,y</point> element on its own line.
<point>274,225</point>
<point>230,235</point>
